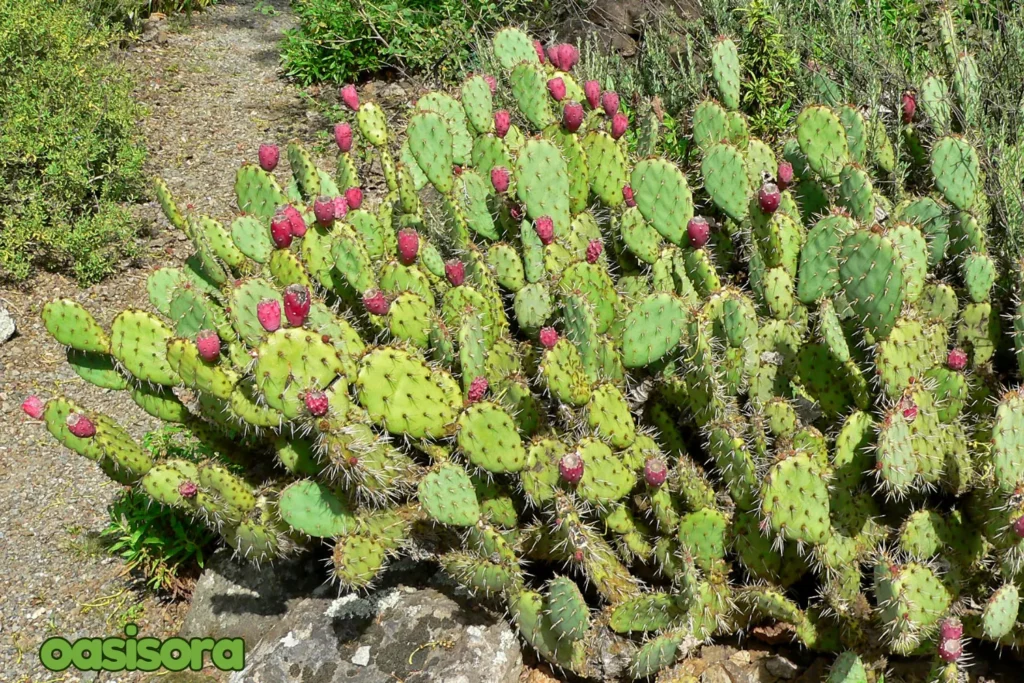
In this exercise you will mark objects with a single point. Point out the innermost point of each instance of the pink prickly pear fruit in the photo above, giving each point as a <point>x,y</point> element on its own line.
<point>909,411</point>
<point>540,51</point>
<point>295,220</point>
<point>908,105</point>
<point>556,86</point>
<point>188,489</point>
<point>269,156</point>
<point>408,246</point>
<point>592,89</point>
<point>33,407</point>
<point>950,649</point>
<point>350,97</point>
<point>698,231</point>
<point>570,467</point>
<point>784,176</point>
<point>627,194</point>
<point>548,337</point>
<point>281,230</point>
<point>768,197</point>
<point>456,170</point>
<point>375,302</point>
<point>500,179</point>
<point>323,210</point>
<point>455,270</point>
<point>950,627</point>
<point>655,472</point>
<point>1018,526</point>
<point>545,228</point>
<point>568,55</point>
<point>957,360</point>
<point>555,57</point>
<point>619,125</point>
<point>208,345</point>
<point>572,116</point>
<point>354,197</point>
<point>81,426</point>
<point>477,389</point>
<point>340,207</point>
<point>343,136</point>
<point>316,403</point>
<point>492,83</point>
<point>502,122</point>
<point>296,304</point>
<point>516,212</point>
<point>268,311</point>
<point>610,103</point>
<point>594,249</point>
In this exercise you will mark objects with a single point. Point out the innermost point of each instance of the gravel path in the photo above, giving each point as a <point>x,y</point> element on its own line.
<point>214,94</point>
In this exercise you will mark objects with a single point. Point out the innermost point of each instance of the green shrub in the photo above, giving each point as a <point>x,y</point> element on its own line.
<point>339,40</point>
<point>69,147</point>
<point>130,13</point>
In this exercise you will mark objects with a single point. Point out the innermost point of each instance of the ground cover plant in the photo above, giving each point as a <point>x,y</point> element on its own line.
<point>641,402</point>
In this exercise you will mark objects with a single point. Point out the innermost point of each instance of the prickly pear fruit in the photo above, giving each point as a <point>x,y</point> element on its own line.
<point>81,426</point>
<point>1018,526</point>
<point>188,489</point>
<point>571,468</point>
<point>592,89</point>
<point>627,195</point>
<point>281,230</point>
<point>455,271</point>
<point>540,50</point>
<point>610,103</point>
<point>502,122</point>
<point>950,627</point>
<point>572,116</point>
<point>375,302</point>
<point>33,407</point>
<point>556,86</point>
<point>950,645</point>
<point>908,106</point>
<point>350,97</point>
<point>784,176</point>
<point>323,209</point>
<point>456,170</point>
<point>516,211</point>
<point>354,197</point>
<point>909,411</point>
<point>316,403</point>
<point>298,223</point>
<point>500,179</point>
<point>698,231</point>
<point>296,304</point>
<point>545,228</point>
<point>408,246</point>
<point>655,471</point>
<point>477,389</point>
<point>956,360</point>
<point>343,136</point>
<point>619,125</point>
<point>268,311</point>
<point>208,345</point>
<point>269,156</point>
<point>340,207</point>
<point>594,249</point>
<point>768,197</point>
<point>548,337</point>
<point>492,83</point>
<point>565,57</point>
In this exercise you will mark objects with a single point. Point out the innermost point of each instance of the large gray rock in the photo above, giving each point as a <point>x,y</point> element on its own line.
<point>396,634</point>
<point>7,327</point>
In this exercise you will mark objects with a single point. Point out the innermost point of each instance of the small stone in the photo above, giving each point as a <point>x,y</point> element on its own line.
<point>362,656</point>
<point>781,667</point>
<point>7,327</point>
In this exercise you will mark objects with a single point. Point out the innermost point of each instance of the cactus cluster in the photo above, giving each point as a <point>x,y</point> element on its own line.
<point>637,402</point>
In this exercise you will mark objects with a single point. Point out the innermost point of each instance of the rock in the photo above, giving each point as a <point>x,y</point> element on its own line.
<point>7,327</point>
<point>235,599</point>
<point>781,667</point>
<point>406,634</point>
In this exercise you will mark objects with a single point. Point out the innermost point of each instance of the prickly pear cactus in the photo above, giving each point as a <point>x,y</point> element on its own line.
<point>686,410</point>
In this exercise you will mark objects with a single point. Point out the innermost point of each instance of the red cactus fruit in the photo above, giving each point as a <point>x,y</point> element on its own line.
<point>500,179</point>
<point>908,106</point>
<point>619,125</point>
<point>956,360</point>
<point>281,230</point>
<point>343,136</point>
<point>295,219</point>
<point>81,426</point>
<point>492,83</point>
<point>655,471</point>
<point>627,194</point>
<point>950,627</point>
<point>33,407</point>
<point>324,211</point>
<point>502,122</point>
<point>268,311</point>
<point>610,103</point>
<point>594,249</point>
<point>567,55</point>
<point>572,116</point>
<point>188,489</point>
<point>768,197</point>
<point>784,176</point>
<point>1018,526</point>
<point>592,89</point>
<point>354,197</point>
<point>455,270</point>
<point>340,207</point>
<point>548,337</point>
<point>545,228</point>
<point>350,97</point>
<point>269,156</point>
<point>570,467</point>
<point>556,86</point>
<point>909,411</point>
<point>208,345</point>
<point>456,170</point>
<point>698,231</point>
<point>296,304</point>
<point>516,211</point>
<point>316,403</point>
<point>477,389</point>
<point>540,50</point>
<point>375,302</point>
<point>408,246</point>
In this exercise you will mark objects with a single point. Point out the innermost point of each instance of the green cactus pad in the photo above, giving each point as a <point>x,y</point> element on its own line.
<point>957,171</point>
<point>258,192</point>
<point>725,69</point>
<point>529,88</point>
<point>724,171</point>
<point>608,172</point>
<point>822,139</point>
<point>430,142</point>
<point>663,197</point>
<point>542,183</point>
<point>710,124</point>
<point>872,277</point>
<point>73,326</point>
<point>405,396</point>
<point>138,341</point>
<point>653,327</point>
<point>448,496</point>
<point>292,362</point>
<point>313,509</point>
<point>794,500</point>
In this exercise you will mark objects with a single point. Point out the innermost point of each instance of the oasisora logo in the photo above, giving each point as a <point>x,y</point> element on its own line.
<point>142,654</point>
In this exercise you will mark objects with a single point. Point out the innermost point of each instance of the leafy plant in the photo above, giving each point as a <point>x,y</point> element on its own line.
<point>769,88</point>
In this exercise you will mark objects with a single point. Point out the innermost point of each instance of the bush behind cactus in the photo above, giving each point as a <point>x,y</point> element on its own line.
<point>683,394</point>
